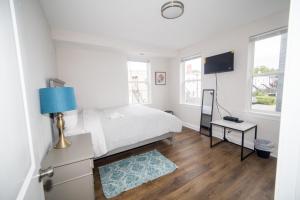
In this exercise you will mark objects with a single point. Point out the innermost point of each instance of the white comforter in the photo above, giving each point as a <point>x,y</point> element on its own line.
<point>122,126</point>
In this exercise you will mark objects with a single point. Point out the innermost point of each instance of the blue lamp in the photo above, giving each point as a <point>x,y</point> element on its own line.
<point>57,100</point>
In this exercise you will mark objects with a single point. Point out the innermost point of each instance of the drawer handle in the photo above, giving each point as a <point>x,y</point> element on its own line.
<point>46,172</point>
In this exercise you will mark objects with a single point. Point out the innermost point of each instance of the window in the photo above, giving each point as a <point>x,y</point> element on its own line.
<point>191,81</point>
<point>269,52</point>
<point>139,82</point>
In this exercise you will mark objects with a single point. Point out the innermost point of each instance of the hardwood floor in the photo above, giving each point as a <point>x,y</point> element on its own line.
<point>202,173</point>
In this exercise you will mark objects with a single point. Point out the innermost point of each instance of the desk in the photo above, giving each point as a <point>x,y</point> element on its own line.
<point>240,127</point>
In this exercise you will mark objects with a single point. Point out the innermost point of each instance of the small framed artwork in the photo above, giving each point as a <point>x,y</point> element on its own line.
<point>160,78</point>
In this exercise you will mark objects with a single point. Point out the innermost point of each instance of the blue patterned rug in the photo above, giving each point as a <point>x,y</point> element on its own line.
<point>131,172</point>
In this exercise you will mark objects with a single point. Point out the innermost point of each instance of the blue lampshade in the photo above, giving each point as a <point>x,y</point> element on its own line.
<point>57,99</point>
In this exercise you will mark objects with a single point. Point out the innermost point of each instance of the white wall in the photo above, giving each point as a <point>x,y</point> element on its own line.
<point>14,147</point>
<point>233,92</point>
<point>288,163</point>
<point>160,98</point>
<point>38,60</point>
<point>99,75</point>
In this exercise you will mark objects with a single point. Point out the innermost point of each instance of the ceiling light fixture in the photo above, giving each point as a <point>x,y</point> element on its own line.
<point>172,9</point>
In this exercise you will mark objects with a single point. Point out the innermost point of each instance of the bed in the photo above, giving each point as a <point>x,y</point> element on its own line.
<point>118,129</point>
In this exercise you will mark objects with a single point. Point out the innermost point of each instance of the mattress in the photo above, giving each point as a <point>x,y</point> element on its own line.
<point>122,126</point>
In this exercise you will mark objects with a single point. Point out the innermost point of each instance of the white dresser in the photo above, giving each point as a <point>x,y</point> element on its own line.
<point>73,171</point>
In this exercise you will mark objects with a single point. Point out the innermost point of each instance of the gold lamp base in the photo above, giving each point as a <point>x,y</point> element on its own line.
<point>62,141</point>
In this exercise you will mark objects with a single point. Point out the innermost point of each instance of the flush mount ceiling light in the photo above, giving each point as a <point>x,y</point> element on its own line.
<point>172,9</point>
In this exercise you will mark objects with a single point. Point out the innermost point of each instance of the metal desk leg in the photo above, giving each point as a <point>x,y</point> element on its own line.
<point>242,150</point>
<point>210,135</point>
<point>252,151</point>
<point>255,136</point>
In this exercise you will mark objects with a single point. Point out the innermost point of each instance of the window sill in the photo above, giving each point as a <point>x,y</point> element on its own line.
<point>146,104</point>
<point>266,115</point>
<point>191,106</point>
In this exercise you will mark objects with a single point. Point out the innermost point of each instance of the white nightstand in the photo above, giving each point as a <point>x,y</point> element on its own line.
<point>73,170</point>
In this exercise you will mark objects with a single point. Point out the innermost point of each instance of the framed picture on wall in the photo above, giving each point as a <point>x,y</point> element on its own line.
<point>160,78</point>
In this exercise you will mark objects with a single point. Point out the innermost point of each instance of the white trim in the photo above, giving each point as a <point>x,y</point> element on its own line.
<point>191,106</point>
<point>287,185</point>
<point>191,126</point>
<point>136,59</point>
<point>249,75</point>
<point>270,33</point>
<point>181,82</point>
<point>149,83</point>
<point>264,113</point>
<point>195,56</point>
<point>260,115</point>
<point>32,168</point>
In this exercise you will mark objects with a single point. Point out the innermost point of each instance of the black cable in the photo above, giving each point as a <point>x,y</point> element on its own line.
<point>217,102</point>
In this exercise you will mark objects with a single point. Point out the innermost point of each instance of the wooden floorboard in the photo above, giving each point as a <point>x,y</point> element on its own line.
<point>203,173</point>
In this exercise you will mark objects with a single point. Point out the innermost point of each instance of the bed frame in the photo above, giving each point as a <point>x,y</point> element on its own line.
<point>170,137</point>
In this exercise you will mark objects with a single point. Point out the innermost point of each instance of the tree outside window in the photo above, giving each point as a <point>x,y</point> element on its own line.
<point>268,72</point>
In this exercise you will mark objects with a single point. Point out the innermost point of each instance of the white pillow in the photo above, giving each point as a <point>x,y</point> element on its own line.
<point>71,119</point>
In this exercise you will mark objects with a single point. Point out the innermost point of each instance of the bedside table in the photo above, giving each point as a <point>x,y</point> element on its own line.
<point>73,170</point>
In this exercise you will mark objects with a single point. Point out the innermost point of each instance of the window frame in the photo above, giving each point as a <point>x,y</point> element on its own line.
<point>251,76</point>
<point>147,82</point>
<point>183,80</point>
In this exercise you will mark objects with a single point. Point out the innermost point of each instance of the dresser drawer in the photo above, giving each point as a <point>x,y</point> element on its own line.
<point>79,189</point>
<point>72,171</point>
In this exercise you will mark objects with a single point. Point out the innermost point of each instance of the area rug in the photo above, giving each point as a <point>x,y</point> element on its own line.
<point>131,172</point>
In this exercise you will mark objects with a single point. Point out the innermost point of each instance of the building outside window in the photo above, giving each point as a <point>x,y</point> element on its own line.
<point>191,81</point>
<point>268,54</point>
<point>139,77</point>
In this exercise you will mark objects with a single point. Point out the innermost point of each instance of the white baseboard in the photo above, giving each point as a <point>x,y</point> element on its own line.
<point>191,126</point>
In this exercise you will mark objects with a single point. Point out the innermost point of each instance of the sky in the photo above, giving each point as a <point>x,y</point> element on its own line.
<point>267,52</point>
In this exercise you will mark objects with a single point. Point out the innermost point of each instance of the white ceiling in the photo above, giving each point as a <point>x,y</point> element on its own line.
<point>139,21</point>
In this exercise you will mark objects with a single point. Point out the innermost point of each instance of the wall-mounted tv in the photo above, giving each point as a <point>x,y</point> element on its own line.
<point>219,63</point>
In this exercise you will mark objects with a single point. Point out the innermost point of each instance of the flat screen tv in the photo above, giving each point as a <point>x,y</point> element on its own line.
<point>219,63</point>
